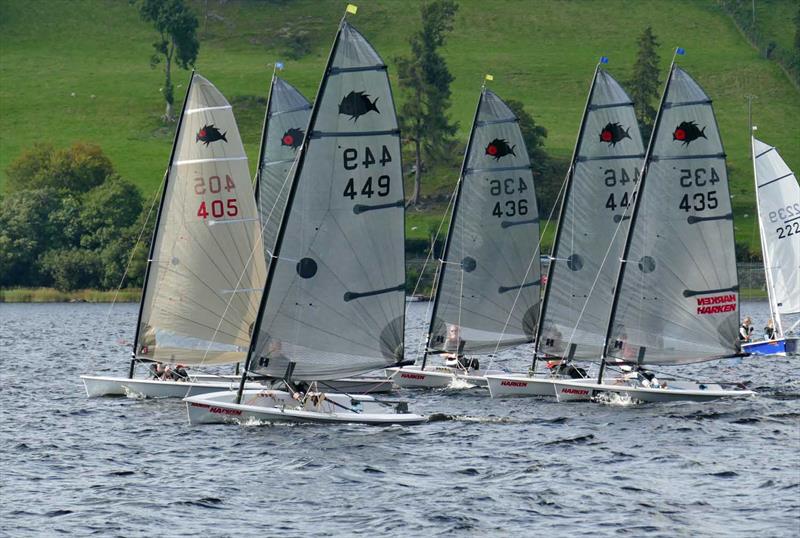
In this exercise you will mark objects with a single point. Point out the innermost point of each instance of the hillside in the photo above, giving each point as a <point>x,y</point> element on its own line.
<point>80,70</point>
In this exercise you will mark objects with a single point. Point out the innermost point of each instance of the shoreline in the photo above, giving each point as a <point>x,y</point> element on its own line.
<point>132,295</point>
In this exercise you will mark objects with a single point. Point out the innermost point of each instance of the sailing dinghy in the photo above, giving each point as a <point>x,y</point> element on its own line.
<point>285,122</point>
<point>676,293</point>
<point>778,201</point>
<point>205,269</point>
<point>589,238</point>
<point>334,303</point>
<point>487,294</point>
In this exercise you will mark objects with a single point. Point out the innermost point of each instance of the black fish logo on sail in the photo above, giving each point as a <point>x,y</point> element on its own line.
<point>293,138</point>
<point>356,104</point>
<point>209,134</point>
<point>499,147</point>
<point>687,132</point>
<point>613,133</point>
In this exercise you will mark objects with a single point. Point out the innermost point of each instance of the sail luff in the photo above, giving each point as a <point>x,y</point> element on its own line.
<point>771,299</point>
<point>448,239</point>
<point>263,143</point>
<point>142,301</point>
<point>290,198</point>
<point>561,216</point>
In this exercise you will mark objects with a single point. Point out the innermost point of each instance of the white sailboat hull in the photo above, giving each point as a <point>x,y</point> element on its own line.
<point>677,391</point>
<point>153,388</point>
<point>436,377</point>
<point>521,385</point>
<point>268,406</point>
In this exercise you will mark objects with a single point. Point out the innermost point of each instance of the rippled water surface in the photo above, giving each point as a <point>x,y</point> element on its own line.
<point>124,467</point>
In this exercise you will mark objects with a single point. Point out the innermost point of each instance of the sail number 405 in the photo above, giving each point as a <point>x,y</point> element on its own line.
<point>509,186</point>
<point>216,208</point>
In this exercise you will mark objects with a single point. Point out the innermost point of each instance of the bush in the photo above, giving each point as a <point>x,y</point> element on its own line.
<point>72,269</point>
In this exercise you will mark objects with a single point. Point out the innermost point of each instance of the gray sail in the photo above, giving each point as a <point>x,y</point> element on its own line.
<point>778,198</point>
<point>334,303</point>
<point>206,271</point>
<point>284,131</point>
<point>594,222</point>
<point>678,294</point>
<point>489,283</point>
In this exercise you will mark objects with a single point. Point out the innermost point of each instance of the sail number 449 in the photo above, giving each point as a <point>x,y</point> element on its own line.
<point>369,186</point>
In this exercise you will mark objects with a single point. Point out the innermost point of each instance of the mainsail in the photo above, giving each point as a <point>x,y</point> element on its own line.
<point>206,270</point>
<point>284,131</point>
<point>489,280</point>
<point>678,290</point>
<point>592,225</point>
<point>335,303</point>
<point>778,198</point>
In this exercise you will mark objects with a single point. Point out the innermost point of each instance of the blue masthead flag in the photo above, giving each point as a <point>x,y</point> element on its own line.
<point>680,51</point>
<point>603,59</point>
<point>279,65</point>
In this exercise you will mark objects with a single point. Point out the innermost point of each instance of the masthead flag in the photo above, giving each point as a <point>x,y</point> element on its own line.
<point>278,65</point>
<point>352,8</point>
<point>489,77</point>
<point>680,51</point>
<point>603,59</point>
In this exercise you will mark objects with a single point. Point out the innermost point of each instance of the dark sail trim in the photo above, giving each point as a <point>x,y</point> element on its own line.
<point>337,70</point>
<point>497,169</point>
<point>618,218</point>
<point>448,239</point>
<point>361,208</point>
<point>654,158</point>
<point>289,110</point>
<point>157,222</point>
<point>503,289</point>
<point>324,134</point>
<point>692,293</point>
<point>776,179</point>
<point>688,103</point>
<point>764,152</point>
<point>351,295</point>
<point>263,144</point>
<point>509,224</point>
<point>608,158</point>
<point>610,105</point>
<point>694,220</point>
<point>495,122</point>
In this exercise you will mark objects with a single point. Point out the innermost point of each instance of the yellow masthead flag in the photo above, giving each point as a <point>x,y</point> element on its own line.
<point>352,8</point>
<point>489,77</point>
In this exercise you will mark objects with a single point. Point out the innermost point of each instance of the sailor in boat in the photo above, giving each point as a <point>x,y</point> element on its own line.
<point>562,368</point>
<point>769,330</point>
<point>454,350</point>
<point>746,330</point>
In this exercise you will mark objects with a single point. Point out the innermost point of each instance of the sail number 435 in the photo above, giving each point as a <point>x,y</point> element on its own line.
<point>698,177</point>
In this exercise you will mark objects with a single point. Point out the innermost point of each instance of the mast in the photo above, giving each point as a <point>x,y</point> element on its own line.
<point>448,239</point>
<point>155,229</point>
<point>634,211</point>
<point>773,307</point>
<point>559,224</point>
<point>287,212</point>
<point>262,145</point>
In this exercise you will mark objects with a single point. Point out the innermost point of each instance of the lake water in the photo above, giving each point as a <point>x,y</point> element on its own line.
<point>125,467</point>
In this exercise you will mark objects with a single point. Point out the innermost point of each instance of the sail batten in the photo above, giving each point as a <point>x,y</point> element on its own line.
<point>186,315</point>
<point>487,296</point>
<point>592,225</point>
<point>333,301</point>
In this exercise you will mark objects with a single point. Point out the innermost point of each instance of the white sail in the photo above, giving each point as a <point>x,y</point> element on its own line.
<point>206,272</point>
<point>678,288</point>
<point>335,303</point>
<point>778,197</point>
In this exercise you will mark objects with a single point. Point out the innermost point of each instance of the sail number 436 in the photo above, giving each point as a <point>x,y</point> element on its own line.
<point>509,186</point>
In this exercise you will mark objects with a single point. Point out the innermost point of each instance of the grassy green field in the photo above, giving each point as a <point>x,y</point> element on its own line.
<point>50,295</point>
<point>79,70</point>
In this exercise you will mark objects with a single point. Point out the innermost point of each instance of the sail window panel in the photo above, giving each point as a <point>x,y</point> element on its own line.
<point>609,156</point>
<point>287,122</point>
<point>491,281</point>
<point>779,215</point>
<point>335,305</point>
<point>679,291</point>
<point>204,285</point>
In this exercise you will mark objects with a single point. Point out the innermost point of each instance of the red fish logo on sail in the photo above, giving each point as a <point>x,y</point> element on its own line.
<point>687,132</point>
<point>209,134</point>
<point>293,138</point>
<point>613,133</point>
<point>499,147</point>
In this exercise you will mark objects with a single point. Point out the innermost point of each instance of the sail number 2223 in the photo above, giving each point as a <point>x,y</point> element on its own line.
<point>218,207</point>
